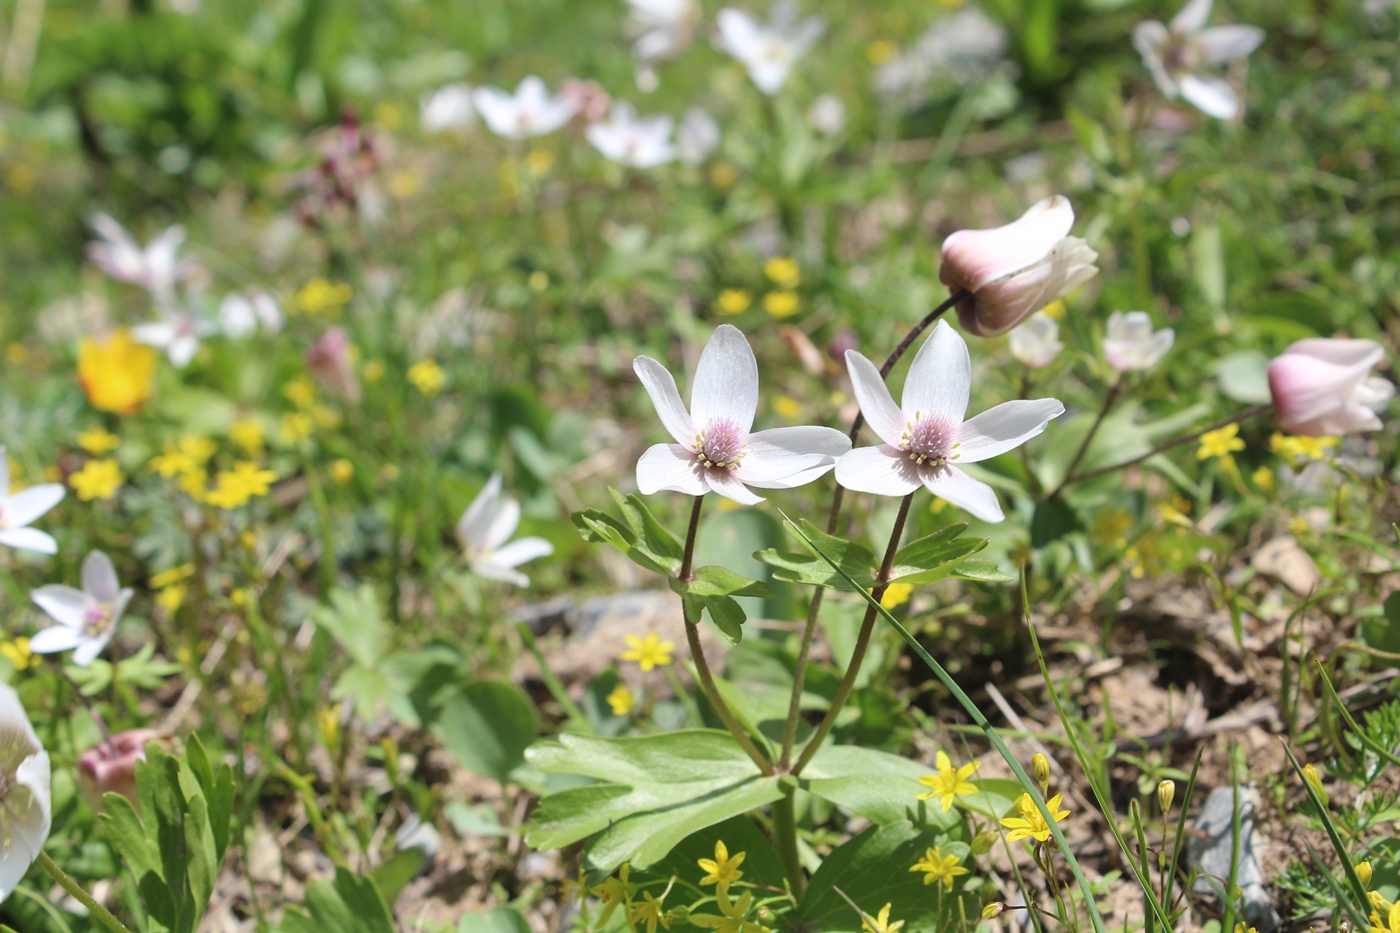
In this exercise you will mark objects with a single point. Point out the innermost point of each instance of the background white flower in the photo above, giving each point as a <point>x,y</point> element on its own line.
<point>530,111</point>
<point>178,333</point>
<point>827,115</point>
<point>448,109</point>
<point>1177,52</point>
<point>1131,345</point>
<point>662,29</point>
<point>484,529</point>
<point>18,510</point>
<point>925,436</point>
<point>697,137</point>
<point>241,313</point>
<point>157,267</point>
<point>26,805</point>
<point>1036,342</point>
<point>714,451</point>
<point>768,50</point>
<point>87,618</point>
<point>637,142</point>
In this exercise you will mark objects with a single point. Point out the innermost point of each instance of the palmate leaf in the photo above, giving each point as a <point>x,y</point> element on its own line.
<point>637,534</point>
<point>713,590</point>
<point>876,785</point>
<point>935,556</point>
<point>939,555</point>
<point>813,571</point>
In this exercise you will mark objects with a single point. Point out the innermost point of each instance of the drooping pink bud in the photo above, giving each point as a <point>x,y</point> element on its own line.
<point>110,767</point>
<point>1015,270</point>
<point>330,361</point>
<point>1323,386</point>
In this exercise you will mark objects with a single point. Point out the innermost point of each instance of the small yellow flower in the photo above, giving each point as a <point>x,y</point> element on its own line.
<point>733,915</point>
<point>1295,448</point>
<point>18,653</point>
<point>372,371</point>
<point>296,426</point>
<point>98,441</point>
<point>538,281</point>
<point>191,483</point>
<point>621,699</point>
<point>341,470</point>
<point>1315,782</point>
<point>787,406</point>
<point>781,304</point>
<point>174,575</point>
<point>427,376</point>
<point>722,870</point>
<point>1040,769</point>
<point>539,162</point>
<point>320,297</point>
<point>1166,793</point>
<point>785,272</point>
<point>301,392</point>
<point>118,375</point>
<point>1363,872</point>
<point>881,51</point>
<point>939,867</point>
<point>198,448</point>
<point>1220,443</point>
<point>896,595</point>
<point>880,924</point>
<point>648,911</point>
<point>648,652</point>
<point>248,435</point>
<point>171,597</point>
<point>1031,824</point>
<point>235,487</point>
<point>1263,480</point>
<point>98,479</point>
<point>733,301</point>
<point>949,783</point>
<point>614,892</point>
<point>328,723</point>
<point>993,910</point>
<point>1241,928</point>
<point>173,462</point>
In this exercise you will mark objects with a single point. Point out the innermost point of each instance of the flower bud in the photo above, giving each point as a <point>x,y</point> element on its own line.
<point>1363,871</point>
<point>329,360</point>
<point>982,843</point>
<point>1015,270</point>
<point>1036,343</point>
<point>110,766</point>
<point>1130,343</point>
<point>1322,387</point>
<point>1166,792</point>
<point>993,910</point>
<point>1040,767</point>
<point>1315,782</point>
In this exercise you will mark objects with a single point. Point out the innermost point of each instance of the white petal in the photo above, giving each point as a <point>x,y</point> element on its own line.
<point>12,715</point>
<point>4,473</point>
<point>876,403</point>
<point>1005,427</point>
<point>29,830</point>
<point>783,458</point>
<point>665,398</point>
<point>100,577</point>
<point>1158,346</point>
<point>1227,43</point>
<point>28,504</point>
<point>504,520</point>
<point>182,350</point>
<point>498,109</point>
<point>520,551</point>
<point>475,522</point>
<point>87,652</point>
<point>968,494</point>
<point>940,377</point>
<point>883,471</point>
<point>671,467</point>
<point>492,571</point>
<point>726,381</point>
<point>1213,96</point>
<point>1192,17</point>
<point>739,33</point>
<point>154,334</point>
<point>29,539</point>
<point>728,485</point>
<point>64,605</point>
<point>54,639</point>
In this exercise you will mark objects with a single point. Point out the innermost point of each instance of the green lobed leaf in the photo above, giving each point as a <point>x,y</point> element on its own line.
<point>353,619</point>
<point>638,534</point>
<point>486,726</point>
<point>739,834</point>
<point>981,570</point>
<point>812,570</point>
<point>727,615</point>
<point>876,785</point>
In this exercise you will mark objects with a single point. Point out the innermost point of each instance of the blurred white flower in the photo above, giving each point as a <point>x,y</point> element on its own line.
<point>242,313</point>
<point>714,451</point>
<point>157,267</point>
<point>178,333</point>
<point>827,115</point>
<point>1177,52</point>
<point>958,49</point>
<point>530,111</point>
<point>768,50</point>
<point>697,137</point>
<point>1036,342</point>
<point>926,436</point>
<point>26,805</point>
<point>23,507</point>
<point>484,529</point>
<point>448,110</point>
<point>662,29</point>
<point>1324,386</point>
<point>637,142</point>
<point>87,618</point>
<point>1130,343</point>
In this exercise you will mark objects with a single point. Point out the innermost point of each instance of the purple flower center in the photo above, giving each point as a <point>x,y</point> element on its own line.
<point>721,445</point>
<point>95,616</point>
<point>929,441</point>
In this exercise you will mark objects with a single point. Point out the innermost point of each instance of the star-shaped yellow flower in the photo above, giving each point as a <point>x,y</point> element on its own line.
<point>614,892</point>
<point>731,917</point>
<point>1220,443</point>
<point>722,870</point>
<point>949,783</point>
<point>881,923</point>
<point>648,911</point>
<point>98,479</point>
<point>648,652</point>
<point>939,867</point>
<point>1031,824</point>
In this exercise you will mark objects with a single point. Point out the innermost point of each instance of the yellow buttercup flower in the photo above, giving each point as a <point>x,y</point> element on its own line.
<point>621,700</point>
<point>648,912</point>
<point>1220,443</point>
<point>939,867</point>
<point>301,392</point>
<point>881,51</point>
<point>949,783</point>
<point>782,304</point>
<point>117,375</point>
<point>98,479</point>
<point>171,597</point>
<point>172,576</point>
<point>722,870</point>
<point>648,652</point>
<point>248,435</point>
<point>173,462</point>
<point>19,654</point>
<point>1294,448</point>
<point>320,297</point>
<point>896,595</point>
<point>98,441</point>
<point>427,376</point>
<point>733,301</point>
<point>296,426</point>
<point>880,924</point>
<point>1031,824</point>
<point>341,470</point>
<point>785,272</point>
<point>198,448</point>
<point>733,916</point>
<point>787,406</point>
<point>235,487</point>
<point>1363,872</point>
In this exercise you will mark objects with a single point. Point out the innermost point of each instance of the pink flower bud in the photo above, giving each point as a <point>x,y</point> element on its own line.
<point>110,767</point>
<point>330,361</point>
<point>1324,386</point>
<point>1015,270</point>
<point>590,100</point>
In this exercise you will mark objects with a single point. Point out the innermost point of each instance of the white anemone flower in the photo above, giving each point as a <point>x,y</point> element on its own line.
<point>637,142</point>
<point>662,29</point>
<point>1324,386</point>
<point>26,804</point>
<point>530,111</point>
<point>768,50</point>
<point>178,333</point>
<point>156,267</point>
<point>1131,345</point>
<point>714,449</point>
<point>1177,52</point>
<point>925,437</point>
<point>242,313</point>
<point>697,136</point>
<point>87,618</point>
<point>1036,342</point>
<point>448,109</point>
<point>23,507</point>
<point>484,530</point>
<point>827,115</point>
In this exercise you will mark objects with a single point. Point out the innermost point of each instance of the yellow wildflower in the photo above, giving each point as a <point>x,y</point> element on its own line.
<point>1263,480</point>
<point>880,924</point>
<point>648,911</point>
<point>248,435</point>
<point>1363,872</point>
<point>613,893</point>
<point>1315,782</point>
<point>1056,309</point>
<point>372,371</point>
<point>722,870</point>
<point>171,597</point>
<point>427,376</point>
<point>301,392</point>
<point>781,304</point>
<point>896,595</point>
<point>173,462</point>
<point>235,487</point>
<point>1031,824</point>
<point>328,723</point>
<point>19,654</point>
<point>539,162</point>
<point>733,301</point>
<point>117,375</point>
<point>191,483</point>
<point>881,51</point>
<point>173,575</point>
<point>341,470</point>
<point>787,406</point>
<point>98,479</point>
<point>733,915</point>
<point>949,783</point>
<point>648,652</point>
<point>321,297</point>
<point>296,426</point>
<point>785,272</point>
<point>1294,448</point>
<point>98,441</point>
<point>621,700</point>
<point>1220,443</point>
<point>939,867</point>
<point>198,448</point>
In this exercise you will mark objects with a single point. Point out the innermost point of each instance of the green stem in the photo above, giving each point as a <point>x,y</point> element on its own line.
<point>323,513</point>
<point>1162,448</point>
<point>1108,401</point>
<point>70,884</point>
<point>785,838</point>
<point>867,627</point>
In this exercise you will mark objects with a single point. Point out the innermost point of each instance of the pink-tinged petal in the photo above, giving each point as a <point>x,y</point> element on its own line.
<point>1212,96</point>
<point>970,495</point>
<point>876,404</point>
<point>29,539</point>
<point>670,467</point>
<point>100,577</point>
<point>28,504</point>
<point>1315,396</point>
<point>494,571</point>
<point>54,639</point>
<point>1005,427</point>
<point>64,605</point>
<point>1192,17</point>
<point>1341,351</point>
<point>783,458</point>
<point>1151,39</point>
<point>881,471</point>
<point>1001,305</point>
<point>728,485</point>
<point>1227,43</point>
<point>475,524</point>
<point>87,652</point>
<point>522,550</point>
<point>666,399</point>
<point>974,258</point>
<point>726,381</point>
<point>939,379</point>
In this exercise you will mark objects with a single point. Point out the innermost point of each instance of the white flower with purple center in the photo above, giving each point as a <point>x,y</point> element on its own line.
<point>18,510</point>
<point>1178,52</point>
<point>87,618</point>
<point>1130,343</point>
<point>925,437</point>
<point>530,111</point>
<point>637,142</point>
<point>768,50</point>
<point>156,267</point>
<point>715,450</point>
<point>178,333</point>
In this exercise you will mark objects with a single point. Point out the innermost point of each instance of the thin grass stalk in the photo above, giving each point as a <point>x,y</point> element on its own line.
<point>1358,889</point>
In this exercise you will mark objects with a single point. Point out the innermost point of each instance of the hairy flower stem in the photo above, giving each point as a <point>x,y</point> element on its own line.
<point>697,652</point>
<point>1108,401</point>
<point>70,884</point>
<point>1168,445</point>
<point>867,627</point>
<point>833,517</point>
